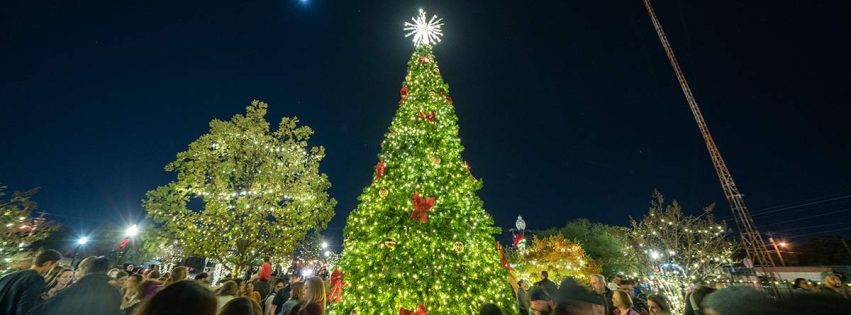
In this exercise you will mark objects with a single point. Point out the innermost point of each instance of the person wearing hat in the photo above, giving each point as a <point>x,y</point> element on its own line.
<point>540,302</point>
<point>572,298</point>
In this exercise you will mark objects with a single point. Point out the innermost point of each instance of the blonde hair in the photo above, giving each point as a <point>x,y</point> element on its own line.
<point>624,297</point>
<point>316,293</point>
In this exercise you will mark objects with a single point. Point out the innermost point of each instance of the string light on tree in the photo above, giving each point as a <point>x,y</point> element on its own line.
<point>425,31</point>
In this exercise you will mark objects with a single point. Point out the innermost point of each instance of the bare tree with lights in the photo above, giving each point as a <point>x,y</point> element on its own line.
<point>244,191</point>
<point>677,249</point>
<point>19,229</point>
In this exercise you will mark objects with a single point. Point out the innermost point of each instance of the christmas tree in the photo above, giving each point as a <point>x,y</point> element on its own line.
<point>420,240</point>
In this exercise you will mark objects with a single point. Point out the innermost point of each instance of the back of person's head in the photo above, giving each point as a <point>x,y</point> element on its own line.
<point>297,291</point>
<point>45,257</point>
<point>571,295</point>
<point>178,273</point>
<point>98,265</point>
<point>538,294</point>
<point>625,299</point>
<point>694,299</point>
<point>182,297</point>
<point>228,288</point>
<point>545,274</point>
<point>315,291</point>
<point>490,309</point>
<point>798,282</point>
<point>660,301</point>
<point>241,306</point>
<point>202,276</point>
<point>737,301</point>
<point>154,275</point>
<point>812,304</point>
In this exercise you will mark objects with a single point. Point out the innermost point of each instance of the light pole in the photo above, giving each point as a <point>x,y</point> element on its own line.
<point>777,249</point>
<point>82,241</point>
<point>129,235</point>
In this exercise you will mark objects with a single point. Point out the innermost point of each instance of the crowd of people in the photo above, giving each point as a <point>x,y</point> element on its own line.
<point>96,287</point>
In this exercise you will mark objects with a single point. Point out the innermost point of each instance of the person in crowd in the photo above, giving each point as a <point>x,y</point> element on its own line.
<point>228,291</point>
<point>144,291</point>
<point>91,295</point>
<point>738,301</point>
<point>240,285</point>
<point>313,298</point>
<point>264,276</point>
<point>241,306</point>
<point>182,297</point>
<point>203,277</point>
<point>267,303</point>
<point>540,302</point>
<point>153,275</point>
<point>615,284</point>
<point>250,293</point>
<point>131,292</point>
<point>490,309</point>
<point>118,279</point>
<point>639,304</point>
<point>130,269</point>
<point>177,274</point>
<point>574,299</point>
<point>60,282</point>
<point>20,291</point>
<point>522,301</point>
<point>283,296</point>
<point>658,305</point>
<point>549,286</point>
<point>623,303</point>
<point>112,272</point>
<point>82,267</point>
<point>694,300</point>
<point>297,290</point>
<point>599,288</point>
<point>802,285</point>
<point>832,284</point>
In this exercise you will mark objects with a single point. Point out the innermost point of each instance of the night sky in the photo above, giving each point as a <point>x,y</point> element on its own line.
<point>567,109</point>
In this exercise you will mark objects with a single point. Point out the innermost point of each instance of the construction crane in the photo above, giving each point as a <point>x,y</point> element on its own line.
<point>755,247</point>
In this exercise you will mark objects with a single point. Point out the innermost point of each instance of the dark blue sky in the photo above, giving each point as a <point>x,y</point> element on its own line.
<point>567,108</point>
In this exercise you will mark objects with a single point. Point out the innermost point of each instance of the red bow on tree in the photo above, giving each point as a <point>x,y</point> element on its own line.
<point>421,207</point>
<point>421,310</point>
<point>336,285</point>
<point>517,238</point>
<point>429,117</point>
<point>379,171</point>
<point>403,93</point>
<point>423,59</point>
<point>502,259</point>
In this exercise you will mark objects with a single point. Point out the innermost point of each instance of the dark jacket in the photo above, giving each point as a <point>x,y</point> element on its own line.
<point>606,296</point>
<point>263,287</point>
<point>20,291</point>
<point>91,295</point>
<point>548,285</point>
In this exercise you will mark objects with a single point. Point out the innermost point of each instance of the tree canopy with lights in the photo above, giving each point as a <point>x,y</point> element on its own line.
<point>677,249</point>
<point>244,191</point>
<point>559,257</point>
<point>420,239</point>
<point>19,229</point>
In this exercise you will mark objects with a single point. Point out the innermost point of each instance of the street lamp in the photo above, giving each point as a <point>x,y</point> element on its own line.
<point>327,253</point>
<point>82,240</point>
<point>132,231</point>
<point>324,245</point>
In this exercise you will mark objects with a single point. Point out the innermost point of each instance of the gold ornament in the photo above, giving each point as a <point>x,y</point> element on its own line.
<point>458,247</point>
<point>383,193</point>
<point>435,160</point>
<point>390,243</point>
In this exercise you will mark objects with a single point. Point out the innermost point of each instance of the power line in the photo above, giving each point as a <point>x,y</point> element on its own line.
<point>808,217</point>
<point>793,205</point>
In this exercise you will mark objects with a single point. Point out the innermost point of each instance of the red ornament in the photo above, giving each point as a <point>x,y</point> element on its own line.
<point>429,117</point>
<point>336,285</point>
<point>379,171</point>
<point>403,93</point>
<point>517,238</point>
<point>421,310</point>
<point>423,59</point>
<point>421,207</point>
<point>502,259</point>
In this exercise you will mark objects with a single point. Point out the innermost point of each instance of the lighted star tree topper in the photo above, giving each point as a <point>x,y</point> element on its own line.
<point>420,240</point>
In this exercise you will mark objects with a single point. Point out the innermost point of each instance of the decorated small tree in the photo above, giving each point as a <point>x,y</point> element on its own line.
<point>420,240</point>
<point>243,191</point>
<point>19,229</point>
<point>676,249</point>
<point>558,257</point>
